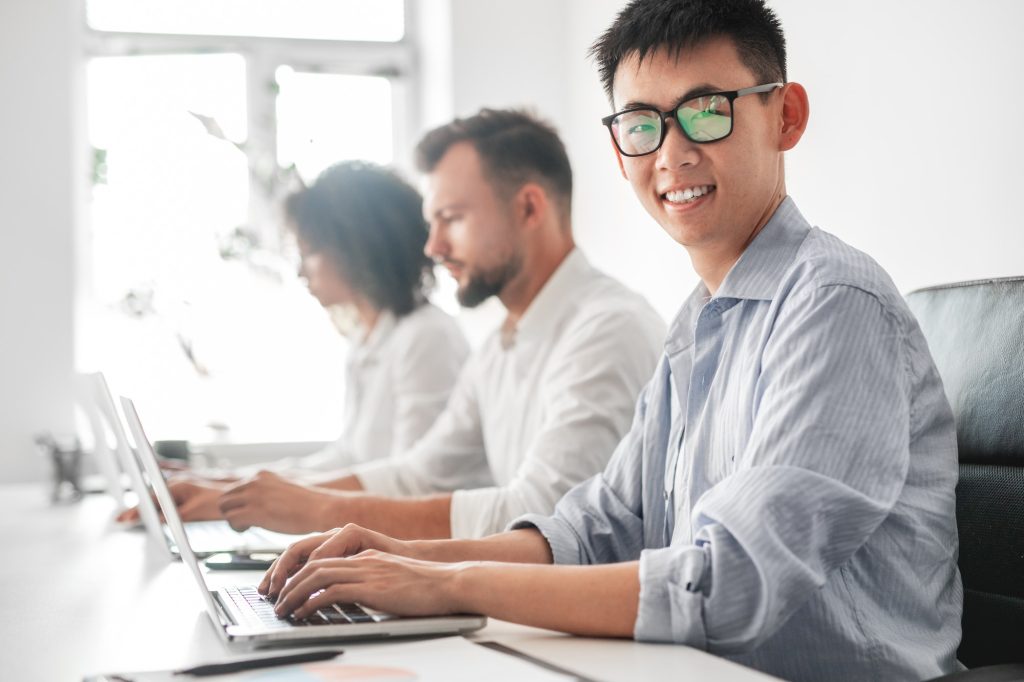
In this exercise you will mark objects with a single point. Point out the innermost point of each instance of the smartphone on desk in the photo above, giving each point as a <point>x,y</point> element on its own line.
<point>229,561</point>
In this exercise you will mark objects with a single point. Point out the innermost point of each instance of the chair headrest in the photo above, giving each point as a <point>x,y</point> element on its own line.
<point>975,331</point>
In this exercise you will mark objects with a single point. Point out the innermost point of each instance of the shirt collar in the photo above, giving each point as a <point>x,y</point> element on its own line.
<point>554,297</point>
<point>366,348</point>
<point>756,275</point>
<point>759,270</point>
<point>680,332</point>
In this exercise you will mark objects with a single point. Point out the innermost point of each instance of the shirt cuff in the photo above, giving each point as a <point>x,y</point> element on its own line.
<point>565,548</point>
<point>380,478</point>
<point>671,601</point>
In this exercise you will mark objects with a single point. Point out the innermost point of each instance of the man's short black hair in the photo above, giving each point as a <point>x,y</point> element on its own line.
<point>645,26</point>
<point>515,147</point>
<point>369,222</point>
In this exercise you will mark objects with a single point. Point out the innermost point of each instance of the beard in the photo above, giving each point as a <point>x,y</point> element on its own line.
<point>482,285</point>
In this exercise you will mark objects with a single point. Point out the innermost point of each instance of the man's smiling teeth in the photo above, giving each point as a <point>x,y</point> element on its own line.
<point>688,195</point>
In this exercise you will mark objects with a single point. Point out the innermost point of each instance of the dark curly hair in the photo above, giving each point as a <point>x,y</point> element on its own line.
<point>370,223</point>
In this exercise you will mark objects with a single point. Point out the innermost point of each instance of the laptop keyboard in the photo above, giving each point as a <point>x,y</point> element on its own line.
<point>248,600</point>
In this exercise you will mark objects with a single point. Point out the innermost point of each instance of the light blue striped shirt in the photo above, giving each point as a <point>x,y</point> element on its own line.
<point>819,456</point>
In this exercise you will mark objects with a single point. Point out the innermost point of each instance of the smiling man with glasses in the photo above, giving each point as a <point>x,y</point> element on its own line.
<point>785,497</point>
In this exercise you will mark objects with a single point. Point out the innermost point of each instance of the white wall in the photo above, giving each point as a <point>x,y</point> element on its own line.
<point>916,139</point>
<point>38,189</point>
<point>495,54</point>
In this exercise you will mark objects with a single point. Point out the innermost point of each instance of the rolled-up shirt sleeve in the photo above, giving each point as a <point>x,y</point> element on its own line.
<point>589,396</point>
<point>825,463</point>
<point>675,578</point>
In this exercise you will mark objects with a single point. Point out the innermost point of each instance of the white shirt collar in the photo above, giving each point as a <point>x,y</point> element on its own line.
<point>371,343</point>
<point>553,299</point>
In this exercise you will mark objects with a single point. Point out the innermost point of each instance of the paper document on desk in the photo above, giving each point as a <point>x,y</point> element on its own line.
<point>446,659</point>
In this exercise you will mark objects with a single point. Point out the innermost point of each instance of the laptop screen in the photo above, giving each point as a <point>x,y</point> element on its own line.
<point>147,509</point>
<point>88,388</point>
<point>167,506</point>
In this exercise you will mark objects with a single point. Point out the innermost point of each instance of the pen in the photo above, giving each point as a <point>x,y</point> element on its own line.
<point>266,662</point>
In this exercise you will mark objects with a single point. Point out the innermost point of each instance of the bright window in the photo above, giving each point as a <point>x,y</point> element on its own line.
<point>189,302</point>
<point>323,118</point>
<point>168,189</point>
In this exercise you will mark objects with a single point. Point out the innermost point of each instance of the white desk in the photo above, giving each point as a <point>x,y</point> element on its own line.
<point>79,596</point>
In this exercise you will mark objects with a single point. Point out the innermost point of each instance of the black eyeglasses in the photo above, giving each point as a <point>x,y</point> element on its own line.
<point>705,118</point>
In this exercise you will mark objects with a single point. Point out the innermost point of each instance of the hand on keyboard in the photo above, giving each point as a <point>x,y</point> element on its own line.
<point>340,542</point>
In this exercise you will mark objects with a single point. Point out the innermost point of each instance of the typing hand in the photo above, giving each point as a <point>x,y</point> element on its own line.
<point>196,500</point>
<point>395,584</point>
<point>340,542</point>
<point>129,515</point>
<point>271,501</point>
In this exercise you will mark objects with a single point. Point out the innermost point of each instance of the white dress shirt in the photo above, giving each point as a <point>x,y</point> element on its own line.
<point>537,411</point>
<point>397,381</point>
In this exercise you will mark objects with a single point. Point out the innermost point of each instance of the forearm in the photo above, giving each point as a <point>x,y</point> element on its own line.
<point>596,601</point>
<point>333,481</point>
<point>525,546</point>
<point>404,519</point>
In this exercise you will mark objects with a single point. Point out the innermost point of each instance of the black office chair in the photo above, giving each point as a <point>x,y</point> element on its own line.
<point>975,331</point>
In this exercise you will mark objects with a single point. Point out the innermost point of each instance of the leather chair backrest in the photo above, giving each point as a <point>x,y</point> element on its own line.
<point>975,331</point>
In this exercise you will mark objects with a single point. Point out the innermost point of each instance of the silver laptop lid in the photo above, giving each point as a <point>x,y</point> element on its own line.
<point>170,510</point>
<point>126,455</point>
<point>88,388</point>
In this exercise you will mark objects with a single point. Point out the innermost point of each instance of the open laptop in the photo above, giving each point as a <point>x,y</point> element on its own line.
<point>242,614</point>
<point>206,537</point>
<point>90,391</point>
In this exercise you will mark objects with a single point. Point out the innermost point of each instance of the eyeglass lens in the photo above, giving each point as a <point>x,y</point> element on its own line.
<point>703,119</point>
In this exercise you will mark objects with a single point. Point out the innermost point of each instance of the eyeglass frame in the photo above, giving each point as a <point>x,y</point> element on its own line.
<point>730,95</point>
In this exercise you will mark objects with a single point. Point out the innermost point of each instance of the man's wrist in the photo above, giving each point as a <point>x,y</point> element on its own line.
<point>457,586</point>
<point>334,512</point>
<point>425,550</point>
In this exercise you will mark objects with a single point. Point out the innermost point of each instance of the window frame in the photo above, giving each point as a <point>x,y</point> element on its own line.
<point>393,60</point>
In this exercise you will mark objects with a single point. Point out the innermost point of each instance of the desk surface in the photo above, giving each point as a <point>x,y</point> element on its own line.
<point>80,594</point>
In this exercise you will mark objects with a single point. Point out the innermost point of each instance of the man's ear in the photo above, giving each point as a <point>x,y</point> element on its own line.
<point>795,112</point>
<point>531,204</point>
<point>618,159</point>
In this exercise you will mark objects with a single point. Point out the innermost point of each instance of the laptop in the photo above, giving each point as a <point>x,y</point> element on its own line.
<point>90,390</point>
<point>207,537</point>
<point>241,614</point>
